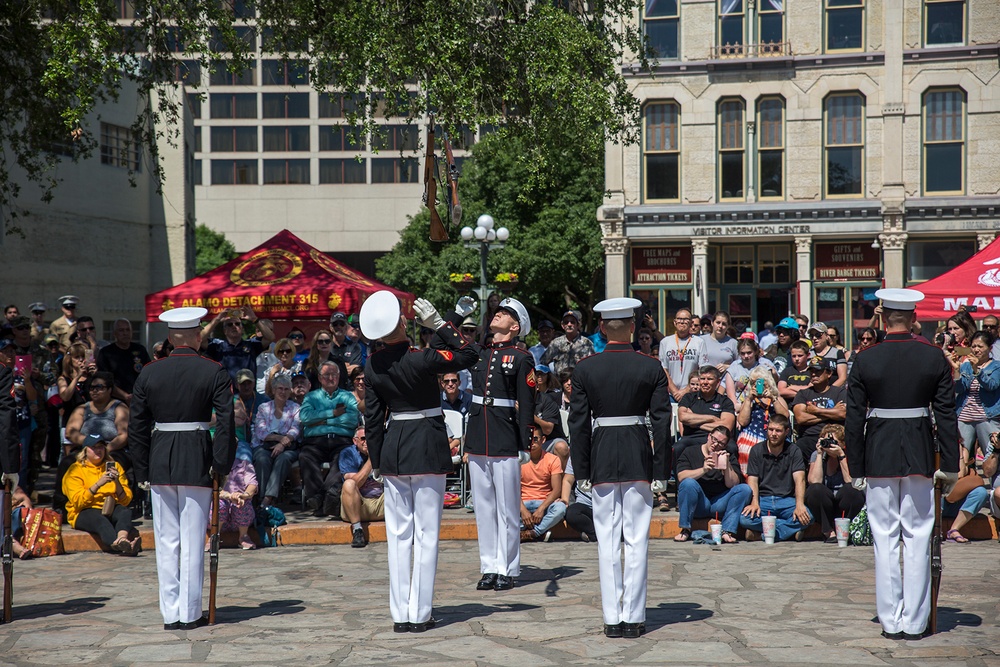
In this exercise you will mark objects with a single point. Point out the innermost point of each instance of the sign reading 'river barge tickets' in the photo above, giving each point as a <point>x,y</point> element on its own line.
<point>845,261</point>
<point>661,264</point>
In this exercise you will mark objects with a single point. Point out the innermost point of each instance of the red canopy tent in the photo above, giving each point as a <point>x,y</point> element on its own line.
<point>284,278</point>
<point>975,282</point>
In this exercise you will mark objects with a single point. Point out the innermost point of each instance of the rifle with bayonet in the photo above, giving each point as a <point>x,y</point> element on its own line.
<point>438,232</point>
<point>451,181</point>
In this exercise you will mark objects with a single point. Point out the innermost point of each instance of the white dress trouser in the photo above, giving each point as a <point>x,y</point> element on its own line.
<point>496,493</point>
<point>902,507</point>
<point>413,507</point>
<point>623,509</point>
<point>180,518</point>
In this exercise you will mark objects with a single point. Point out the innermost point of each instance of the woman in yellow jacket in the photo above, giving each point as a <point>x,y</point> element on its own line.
<point>94,479</point>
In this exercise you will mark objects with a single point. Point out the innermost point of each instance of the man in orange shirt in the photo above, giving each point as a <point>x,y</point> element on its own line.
<point>541,485</point>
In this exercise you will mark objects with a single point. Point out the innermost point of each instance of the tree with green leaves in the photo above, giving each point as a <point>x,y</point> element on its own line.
<point>555,241</point>
<point>547,74</point>
<point>211,249</point>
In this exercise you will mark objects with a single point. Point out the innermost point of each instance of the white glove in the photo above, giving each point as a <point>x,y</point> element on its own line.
<point>658,486</point>
<point>11,477</point>
<point>144,486</point>
<point>427,314</point>
<point>523,457</point>
<point>948,480</point>
<point>465,306</point>
<point>584,485</point>
<point>376,476</point>
<point>860,483</point>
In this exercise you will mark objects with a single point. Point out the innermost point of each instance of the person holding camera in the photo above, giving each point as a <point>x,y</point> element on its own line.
<point>829,493</point>
<point>977,394</point>
<point>98,496</point>
<point>710,483</point>
<point>761,403</point>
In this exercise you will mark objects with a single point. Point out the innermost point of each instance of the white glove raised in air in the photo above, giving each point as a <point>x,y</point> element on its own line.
<point>523,457</point>
<point>11,477</point>
<point>860,483</point>
<point>465,306</point>
<point>376,476</point>
<point>584,485</point>
<point>948,480</point>
<point>427,314</point>
<point>658,486</point>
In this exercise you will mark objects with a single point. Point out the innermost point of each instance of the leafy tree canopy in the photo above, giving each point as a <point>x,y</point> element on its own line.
<point>546,73</point>
<point>211,249</point>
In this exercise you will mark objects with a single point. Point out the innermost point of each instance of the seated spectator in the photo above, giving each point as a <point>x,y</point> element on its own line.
<point>232,351</point>
<point>300,387</point>
<point>818,405</point>
<point>977,394</point>
<point>20,503</point>
<point>779,353</point>
<point>546,332</point>
<point>319,354</point>
<point>992,472</point>
<point>72,384</point>
<point>361,497</point>
<point>549,421</point>
<point>358,387</point>
<point>246,402</point>
<point>795,377</point>
<point>829,493</point>
<point>738,374</point>
<point>275,440</point>
<point>286,366</point>
<point>298,340</point>
<point>822,345</point>
<point>760,404</point>
<point>710,483</point>
<point>329,417</point>
<point>95,482</point>
<point>776,475</point>
<point>235,508</point>
<point>343,348</point>
<point>579,506</point>
<point>541,488</point>
<point>452,397</point>
<point>701,412</point>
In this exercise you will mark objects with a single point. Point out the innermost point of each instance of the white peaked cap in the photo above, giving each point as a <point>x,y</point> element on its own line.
<point>619,308</point>
<point>522,314</point>
<point>379,315</point>
<point>900,299</point>
<point>183,318</point>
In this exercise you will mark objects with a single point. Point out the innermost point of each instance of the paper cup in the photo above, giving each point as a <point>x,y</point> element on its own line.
<point>769,524</point>
<point>716,529</point>
<point>842,525</point>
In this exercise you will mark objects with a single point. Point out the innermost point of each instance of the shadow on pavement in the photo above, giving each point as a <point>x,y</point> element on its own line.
<point>681,612</point>
<point>67,607</point>
<point>950,618</point>
<point>235,614</point>
<point>530,575</point>
<point>467,612</point>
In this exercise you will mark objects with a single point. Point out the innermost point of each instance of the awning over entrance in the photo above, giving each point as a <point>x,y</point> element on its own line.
<point>976,282</point>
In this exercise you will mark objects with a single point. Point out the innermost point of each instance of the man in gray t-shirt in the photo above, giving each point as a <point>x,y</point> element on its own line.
<point>680,354</point>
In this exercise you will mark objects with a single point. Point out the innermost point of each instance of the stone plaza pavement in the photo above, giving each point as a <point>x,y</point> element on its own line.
<point>750,603</point>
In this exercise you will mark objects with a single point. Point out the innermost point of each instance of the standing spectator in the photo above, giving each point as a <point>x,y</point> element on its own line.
<point>39,330</point>
<point>452,397</point>
<point>776,475</point>
<point>10,312</point>
<point>990,326</point>
<point>361,498</point>
<point>680,354</point>
<point>795,377</point>
<point>232,351</point>
<point>738,380</point>
<point>344,349</point>
<point>779,352</point>
<point>541,488</point>
<point>710,483</point>
<point>358,387</point>
<point>803,323</point>
<point>766,336</point>
<point>319,353</point>
<point>703,411</point>
<point>719,347</point>
<point>286,366</point>
<point>86,332</point>
<point>834,334</point>
<point>823,346</point>
<point>761,404</point>
<point>235,509</point>
<point>275,440</point>
<point>329,417</point>
<point>25,399</point>
<point>866,338</point>
<point>820,404</point>
<point>977,395</point>
<point>567,350</point>
<point>548,419</point>
<point>124,359</point>
<point>644,344</point>
<point>829,493</point>
<point>65,325</point>
<point>546,332</point>
<point>354,333</point>
<point>298,340</point>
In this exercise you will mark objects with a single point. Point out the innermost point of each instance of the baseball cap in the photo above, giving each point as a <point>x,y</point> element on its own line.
<point>20,321</point>
<point>338,317</point>
<point>545,323</point>
<point>244,375</point>
<point>788,323</point>
<point>542,368</point>
<point>819,363</point>
<point>574,313</point>
<point>817,326</point>
<point>5,342</point>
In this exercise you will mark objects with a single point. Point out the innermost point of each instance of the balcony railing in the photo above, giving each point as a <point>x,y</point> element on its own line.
<point>765,50</point>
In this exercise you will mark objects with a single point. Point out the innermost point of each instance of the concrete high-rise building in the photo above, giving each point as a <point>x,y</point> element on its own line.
<point>796,155</point>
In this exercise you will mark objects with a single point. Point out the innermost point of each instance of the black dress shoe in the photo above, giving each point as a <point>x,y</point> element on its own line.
<point>926,633</point>
<point>400,627</point>
<point>176,625</point>
<point>613,631</point>
<point>423,627</point>
<point>199,623</point>
<point>892,635</point>
<point>504,583</point>
<point>487,582</point>
<point>633,630</point>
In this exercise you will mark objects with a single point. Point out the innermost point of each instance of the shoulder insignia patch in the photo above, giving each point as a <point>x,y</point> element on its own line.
<point>447,354</point>
<point>531,378</point>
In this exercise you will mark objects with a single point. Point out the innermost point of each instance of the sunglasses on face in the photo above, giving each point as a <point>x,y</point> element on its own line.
<point>283,352</point>
<point>69,306</point>
<point>816,334</point>
<point>339,324</point>
<point>22,327</point>
<point>296,336</point>
<point>449,381</point>
<point>867,338</point>
<point>990,326</point>
<point>234,324</point>
<point>468,329</point>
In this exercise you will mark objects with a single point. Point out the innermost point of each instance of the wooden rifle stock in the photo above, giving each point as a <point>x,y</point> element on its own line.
<point>213,555</point>
<point>438,232</point>
<point>451,178</point>
<point>936,565</point>
<point>8,556</point>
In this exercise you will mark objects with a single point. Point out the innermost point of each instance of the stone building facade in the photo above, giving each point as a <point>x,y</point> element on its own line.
<point>794,157</point>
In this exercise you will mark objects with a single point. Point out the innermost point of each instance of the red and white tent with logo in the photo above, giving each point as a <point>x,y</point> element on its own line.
<point>976,282</point>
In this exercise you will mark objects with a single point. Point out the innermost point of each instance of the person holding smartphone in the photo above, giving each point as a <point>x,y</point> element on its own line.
<point>829,493</point>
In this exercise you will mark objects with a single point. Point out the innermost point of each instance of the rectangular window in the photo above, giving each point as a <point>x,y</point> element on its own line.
<point>771,148</point>
<point>286,172</point>
<point>234,172</point>
<point>118,147</point>
<point>661,21</point>
<point>737,264</point>
<point>340,138</point>
<point>770,24</point>
<point>196,173</point>
<point>197,139</point>
<point>929,259</point>
<point>284,73</point>
<point>286,138</point>
<point>774,264</point>
<point>187,72</point>
<point>944,142</point>
<point>338,105</point>
<point>221,76</point>
<point>194,104</point>
<point>731,153</point>
<point>234,139</point>
<point>944,22</point>
<point>125,9</point>
<point>395,170</point>
<point>233,105</point>
<point>844,145</point>
<point>661,154</point>
<point>347,170</point>
<point>396,138</point>
<point>240,9</point>
<point>845,25</point>
<point>462,140</point>
<point>731,21</point>
<point>285,105</point>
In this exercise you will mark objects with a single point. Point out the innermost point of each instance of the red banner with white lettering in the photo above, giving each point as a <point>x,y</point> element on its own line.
<point>661,264</point>
<point>845,261</point>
